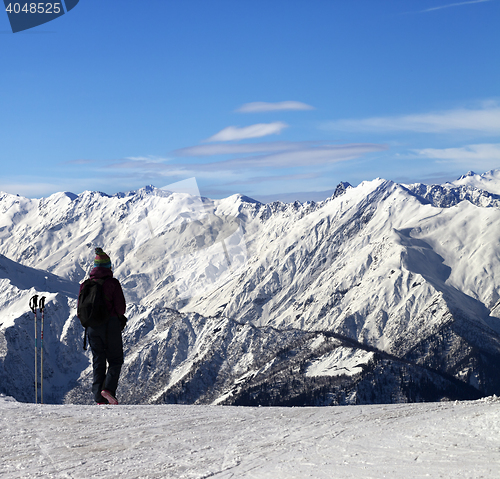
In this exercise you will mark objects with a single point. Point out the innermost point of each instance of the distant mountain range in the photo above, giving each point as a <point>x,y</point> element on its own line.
<point>381,293</point>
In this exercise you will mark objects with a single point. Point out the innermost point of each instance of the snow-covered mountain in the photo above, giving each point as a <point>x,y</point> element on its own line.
<point>381,293</point>
<point>488,181</point>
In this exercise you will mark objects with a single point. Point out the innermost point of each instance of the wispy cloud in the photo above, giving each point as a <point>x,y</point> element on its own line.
<point>484,120</point>
<point>140,165</point>
<point>234,133</point>
<point>449,5</point>
<point>483,156</point>
<point>274,155</point>
<point>477,152</point>
<point>262,106</point>
<point>147,159</point>
<point>242,148</point>
<point>305,157</point>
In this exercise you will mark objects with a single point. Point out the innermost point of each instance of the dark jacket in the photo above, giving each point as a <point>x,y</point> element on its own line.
<point>115,301</point>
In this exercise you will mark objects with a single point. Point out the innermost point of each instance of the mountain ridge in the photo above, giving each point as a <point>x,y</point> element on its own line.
<point>409,275</point>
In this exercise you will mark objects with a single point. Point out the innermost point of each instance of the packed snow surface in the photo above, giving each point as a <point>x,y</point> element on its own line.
<point>438,440</point>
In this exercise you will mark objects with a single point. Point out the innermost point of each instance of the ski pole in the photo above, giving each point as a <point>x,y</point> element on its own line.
<point>42,308</point>
<point>33,306</point>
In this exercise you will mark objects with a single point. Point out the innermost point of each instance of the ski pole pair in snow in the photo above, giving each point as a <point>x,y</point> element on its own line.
<point>40,304</point>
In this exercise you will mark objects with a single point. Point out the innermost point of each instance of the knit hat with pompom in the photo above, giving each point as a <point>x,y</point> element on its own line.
<point>101,259</point>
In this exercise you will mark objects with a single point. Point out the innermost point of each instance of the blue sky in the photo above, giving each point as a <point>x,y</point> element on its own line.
<point>264,98</point>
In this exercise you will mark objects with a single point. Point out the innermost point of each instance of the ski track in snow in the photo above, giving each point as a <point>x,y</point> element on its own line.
<point>438,440</point>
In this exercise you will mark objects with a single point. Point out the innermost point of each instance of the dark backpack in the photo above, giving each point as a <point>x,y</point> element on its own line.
<point>92,310</point>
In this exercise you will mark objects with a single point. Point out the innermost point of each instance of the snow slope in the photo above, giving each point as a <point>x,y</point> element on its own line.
<point>446,440</point>
<point>63,357</point>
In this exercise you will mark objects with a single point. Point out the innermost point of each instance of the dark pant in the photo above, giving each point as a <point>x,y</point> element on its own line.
<point>106,344</point>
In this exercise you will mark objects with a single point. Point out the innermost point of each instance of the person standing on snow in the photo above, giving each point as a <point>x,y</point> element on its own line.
<point>106,339</point>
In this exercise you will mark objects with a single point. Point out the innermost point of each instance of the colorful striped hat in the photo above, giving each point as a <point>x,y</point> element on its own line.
<point>101,259</point>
